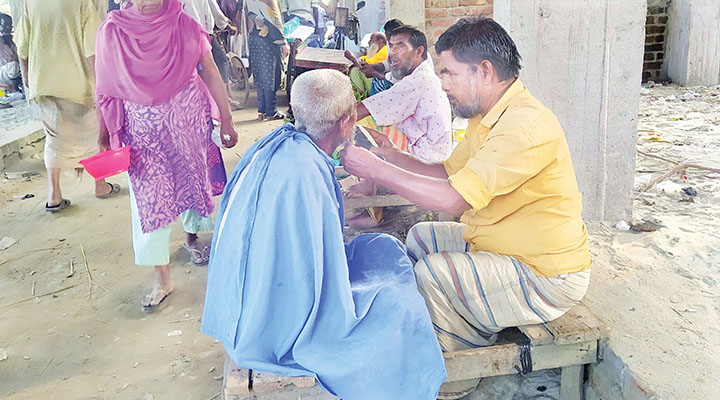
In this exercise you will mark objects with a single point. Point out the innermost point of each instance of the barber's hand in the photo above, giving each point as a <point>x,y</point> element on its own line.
<point>389,154</point>
<point>380,138</point>
<point>232,30</point>
<point>228,135</point>
<point>358,161</point>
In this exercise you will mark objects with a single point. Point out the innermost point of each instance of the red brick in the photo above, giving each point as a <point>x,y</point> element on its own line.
<point>659,56</point>
<point>442,22</point>
<point>659,38</point>
<point>649,20</point>
<point>436,13</point>
<point>655,29</point>
<point>459,11</point>
<point>649,57</point>
<point>480,10</point>
<point>472,2</point>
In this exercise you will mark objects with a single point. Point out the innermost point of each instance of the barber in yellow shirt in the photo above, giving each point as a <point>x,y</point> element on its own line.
<point>520,254</point>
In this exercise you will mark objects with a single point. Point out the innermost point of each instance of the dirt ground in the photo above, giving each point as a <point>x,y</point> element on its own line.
<point>67,337</point>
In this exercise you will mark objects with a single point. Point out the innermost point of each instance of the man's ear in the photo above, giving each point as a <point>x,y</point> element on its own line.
<point>485,71</point>
<point>420,50</point>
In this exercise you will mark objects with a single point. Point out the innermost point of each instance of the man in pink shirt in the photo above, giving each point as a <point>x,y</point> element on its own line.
<point>416,105</point>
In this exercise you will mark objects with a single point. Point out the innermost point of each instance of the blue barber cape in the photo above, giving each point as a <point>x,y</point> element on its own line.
<point>285,295</point>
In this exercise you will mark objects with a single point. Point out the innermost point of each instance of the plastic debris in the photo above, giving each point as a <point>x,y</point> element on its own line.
<point>6,242</point>
<point>622,226</point>
<point>175,333</point>
<point>669,188</point>
<point>646,225</point>
<point>690,191</point>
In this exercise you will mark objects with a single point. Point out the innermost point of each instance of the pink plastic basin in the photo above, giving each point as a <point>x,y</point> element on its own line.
<point>108,163</point>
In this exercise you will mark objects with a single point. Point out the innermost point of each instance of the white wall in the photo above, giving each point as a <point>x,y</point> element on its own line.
<point>411,12</point>
<point>583,59</point>
<point>692,42</point>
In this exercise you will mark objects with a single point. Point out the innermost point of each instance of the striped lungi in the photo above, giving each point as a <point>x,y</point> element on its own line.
<point>472,296</point>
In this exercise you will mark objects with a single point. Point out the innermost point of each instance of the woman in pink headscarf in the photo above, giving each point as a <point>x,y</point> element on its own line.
<point>157,90</point>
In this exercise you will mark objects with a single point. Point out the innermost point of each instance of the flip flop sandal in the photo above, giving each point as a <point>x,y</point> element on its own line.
<point>155,307</point>
<point>114,189</point>
<point>198,257</point>
<point>64,203</point>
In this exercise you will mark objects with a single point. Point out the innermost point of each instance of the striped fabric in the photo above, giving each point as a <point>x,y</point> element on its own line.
<point>398,138</point>
<point>472,296</point>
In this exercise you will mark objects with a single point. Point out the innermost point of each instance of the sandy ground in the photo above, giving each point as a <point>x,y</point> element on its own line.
<point>657,291</point>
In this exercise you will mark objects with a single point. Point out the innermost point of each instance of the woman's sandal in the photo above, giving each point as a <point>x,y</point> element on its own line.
<point>198,257</point>
<point>150,297</point>
<point>64,203</point>
<point>114,189</point>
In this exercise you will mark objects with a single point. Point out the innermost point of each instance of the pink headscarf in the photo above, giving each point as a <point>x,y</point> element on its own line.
<point>145,59</point>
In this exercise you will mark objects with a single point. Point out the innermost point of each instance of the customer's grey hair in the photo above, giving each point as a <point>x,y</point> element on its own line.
<point>320,98</point>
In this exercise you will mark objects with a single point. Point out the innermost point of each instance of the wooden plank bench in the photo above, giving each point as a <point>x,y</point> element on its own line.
<point>569,343</point>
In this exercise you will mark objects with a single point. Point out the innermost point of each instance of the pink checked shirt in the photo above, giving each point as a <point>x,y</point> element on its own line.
<point>418,107</point>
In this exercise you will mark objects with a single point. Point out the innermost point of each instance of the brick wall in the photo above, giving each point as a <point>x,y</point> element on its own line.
<point>440,14</point>
<point>655,25</point>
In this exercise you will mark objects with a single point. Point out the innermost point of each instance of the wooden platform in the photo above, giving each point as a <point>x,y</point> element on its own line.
<point>317,58</point>
<point>568,343</point>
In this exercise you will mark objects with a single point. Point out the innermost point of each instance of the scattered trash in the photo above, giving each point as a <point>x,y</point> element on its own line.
<point>148,396</point>
<point>3,355</point>
<point>690,191</point>
<point>672,97</point>
<point>644,90</point>
<point>646,225</point>
<point>175,333</point>
<point>690,310</point>
<point>26,358</point>
<point>675,299</point>
<point>6,242</point>
<point>20,175</point>
<point>688,96</point>
<point>680,118</point>
<point>209,372</point>
<point>136,364</point>
<point>669,188</point>
<point>622,226</point>
<point>72,269</point>
<point>24,196</point>
<point>124,386</point>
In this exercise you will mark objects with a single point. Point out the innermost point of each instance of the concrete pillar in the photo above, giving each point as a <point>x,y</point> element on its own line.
<point>583,59</point>
<point>411,12</point>
<point>693,42</point>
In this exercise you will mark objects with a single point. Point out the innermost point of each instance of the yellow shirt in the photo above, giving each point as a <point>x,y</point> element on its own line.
<point>57,37</point>
<point>514,169</point>
<point>379,57</point>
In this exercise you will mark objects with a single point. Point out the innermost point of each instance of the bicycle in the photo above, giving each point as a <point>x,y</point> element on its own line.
<point>238,84</point>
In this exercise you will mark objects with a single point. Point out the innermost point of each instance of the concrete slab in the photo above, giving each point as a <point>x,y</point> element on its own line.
<point>693,42</point>
<point>583,60</point>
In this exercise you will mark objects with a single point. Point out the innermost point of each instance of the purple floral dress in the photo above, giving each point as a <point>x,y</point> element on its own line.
<point>174,164</point>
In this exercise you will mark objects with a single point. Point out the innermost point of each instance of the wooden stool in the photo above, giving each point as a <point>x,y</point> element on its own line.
<point>569,343</point>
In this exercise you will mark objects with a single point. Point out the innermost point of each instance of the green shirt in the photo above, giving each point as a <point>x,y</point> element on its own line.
<point>57,38</point>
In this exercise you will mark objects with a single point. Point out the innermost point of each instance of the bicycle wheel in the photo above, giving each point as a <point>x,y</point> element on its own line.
<point>238,83</point>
